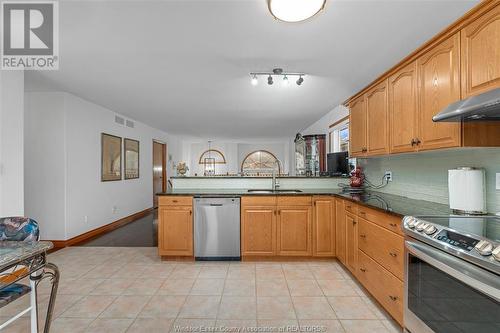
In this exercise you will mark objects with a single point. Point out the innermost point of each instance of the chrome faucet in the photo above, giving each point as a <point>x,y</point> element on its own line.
<point>276,181</point>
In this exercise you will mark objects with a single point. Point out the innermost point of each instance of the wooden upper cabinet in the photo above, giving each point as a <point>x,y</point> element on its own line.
<point>481,53</point>
<point>323,227</point>
<point>175,230</point>
<point>340,230</point>
<point>438,86</point>
<point>294,231</point>
<point>377,120</point>
<point>357,127</point>
<point>402,107</point>
<point>258,230</point>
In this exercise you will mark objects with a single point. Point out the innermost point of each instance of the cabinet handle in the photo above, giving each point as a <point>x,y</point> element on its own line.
<point>279,212</point>
<point>354,222</point>
<point>175,201</point>
<point>363,269</point>
<point>392,254</point>
<point>190,212</point>
<point>413,142</point>
<point>362,213</point>
<point>348,207</point>
<point>393,224</point>
<point>364,150</point>
<point>393,298</point>
<point>362,236</point>
<point>418,141</point>
<point>274,211</point>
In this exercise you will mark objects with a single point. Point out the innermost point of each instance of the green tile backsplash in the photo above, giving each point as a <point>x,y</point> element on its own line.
<point>424,175</point>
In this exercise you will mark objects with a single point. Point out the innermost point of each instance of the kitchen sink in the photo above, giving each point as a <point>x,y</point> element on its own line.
<point>276,191</point>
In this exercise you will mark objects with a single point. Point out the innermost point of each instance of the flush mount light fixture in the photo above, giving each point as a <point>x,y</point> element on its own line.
<point>276,72</point>
<point>295,10</point>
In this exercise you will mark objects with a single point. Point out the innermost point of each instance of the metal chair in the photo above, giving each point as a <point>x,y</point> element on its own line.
<point>20,229</point>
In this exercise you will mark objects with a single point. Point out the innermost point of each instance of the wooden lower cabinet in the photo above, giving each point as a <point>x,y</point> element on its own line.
<point>351,224</point>
<point>340,230</point>
<point>323,232</point>
<point>175,230</point>
<point>385,247</point>
<point>258,231</point>
<point>294,231</point>
<point>384,286</point>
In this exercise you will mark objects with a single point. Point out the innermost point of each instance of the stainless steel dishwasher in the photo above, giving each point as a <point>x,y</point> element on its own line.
<point>217,228</point>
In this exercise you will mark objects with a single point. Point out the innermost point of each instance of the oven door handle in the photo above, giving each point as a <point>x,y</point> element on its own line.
<point>475,277</point>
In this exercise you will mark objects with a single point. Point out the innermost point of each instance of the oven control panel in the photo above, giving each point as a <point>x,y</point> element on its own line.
<point>470,245</point>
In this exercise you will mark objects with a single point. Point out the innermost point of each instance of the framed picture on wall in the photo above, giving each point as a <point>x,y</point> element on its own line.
<point>131,158</point>
<point>111,157</point>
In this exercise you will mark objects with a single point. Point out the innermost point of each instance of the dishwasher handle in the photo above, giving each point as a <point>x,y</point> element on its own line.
<point>216,205</point>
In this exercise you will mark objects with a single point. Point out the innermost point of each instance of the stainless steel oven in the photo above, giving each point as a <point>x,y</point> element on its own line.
<point>445,294</point>
<point>452,276</point>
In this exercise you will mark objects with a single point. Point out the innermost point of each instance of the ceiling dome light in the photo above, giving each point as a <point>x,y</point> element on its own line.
<point>255,81</point>
<point>299,81</point>
<point>295,10</point>
<point>270,80</point>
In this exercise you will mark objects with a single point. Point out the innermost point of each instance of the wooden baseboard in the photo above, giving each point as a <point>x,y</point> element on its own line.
<point>89,235</point>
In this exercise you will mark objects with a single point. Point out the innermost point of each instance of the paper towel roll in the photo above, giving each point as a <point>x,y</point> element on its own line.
<point>466,188</point>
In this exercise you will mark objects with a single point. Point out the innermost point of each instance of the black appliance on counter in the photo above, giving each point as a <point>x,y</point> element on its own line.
<point>338,163</point>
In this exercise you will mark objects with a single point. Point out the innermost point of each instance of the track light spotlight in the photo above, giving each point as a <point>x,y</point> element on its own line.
<point>300,80</point>
<point>255,81</point>
<point>270,80</point>
<point>285,81</point>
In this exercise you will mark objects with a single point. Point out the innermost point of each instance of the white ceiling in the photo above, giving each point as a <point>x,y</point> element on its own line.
<point>182,66</point>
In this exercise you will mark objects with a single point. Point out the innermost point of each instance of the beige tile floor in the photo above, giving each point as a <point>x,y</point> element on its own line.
<point>109,289</point>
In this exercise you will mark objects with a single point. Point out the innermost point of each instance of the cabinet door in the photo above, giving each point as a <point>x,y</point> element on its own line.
<point>439,85</point>
<point>258,226</point>
<point>324,227</point>
<point>351,224</point>
<point>357,127</point>
<point>481,54</point>
<point>340,232</point>
<point>175,231</point>
<point>403,109</point>
<point>294,231</point>
<point>377,120</point>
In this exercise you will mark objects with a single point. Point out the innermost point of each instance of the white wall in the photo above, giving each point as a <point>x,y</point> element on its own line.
<point>87,202</point>
<point>322,124</point>
<point>234,152</point>
<point>11,143</point>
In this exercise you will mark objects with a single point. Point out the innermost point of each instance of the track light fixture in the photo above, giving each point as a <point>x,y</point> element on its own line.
<point>276,72</point>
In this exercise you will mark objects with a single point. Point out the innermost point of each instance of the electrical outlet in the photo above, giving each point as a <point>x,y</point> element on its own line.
<point>388,176</point>
<point>86,219</point>
<point>498,181</point>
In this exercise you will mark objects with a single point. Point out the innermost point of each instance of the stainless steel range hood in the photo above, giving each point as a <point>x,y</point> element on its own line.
<point>481,107</point>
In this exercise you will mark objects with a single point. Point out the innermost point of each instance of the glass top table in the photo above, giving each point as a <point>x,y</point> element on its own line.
<point>20,259</point>
<point>13,252</point>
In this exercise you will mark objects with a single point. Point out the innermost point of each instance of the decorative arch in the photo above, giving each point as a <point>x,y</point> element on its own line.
<point>214,153</point>
<point>261,161</point>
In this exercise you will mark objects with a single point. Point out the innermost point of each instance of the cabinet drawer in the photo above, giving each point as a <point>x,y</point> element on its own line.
<point>258,201</point>
<point>388,221</point>
<point>385,287</point>
<point>350,207</point>
<point>383,246</point>
<point>175,200</point>
<point>294,201</point>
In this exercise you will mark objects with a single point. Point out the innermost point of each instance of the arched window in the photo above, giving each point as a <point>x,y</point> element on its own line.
<point>217,155</point>
<point>260,162</point>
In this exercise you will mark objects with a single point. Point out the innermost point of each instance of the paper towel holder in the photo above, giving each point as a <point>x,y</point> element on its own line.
<point>457,208</point>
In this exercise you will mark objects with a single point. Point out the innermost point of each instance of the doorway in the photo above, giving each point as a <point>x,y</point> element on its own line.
<point>159,169</point>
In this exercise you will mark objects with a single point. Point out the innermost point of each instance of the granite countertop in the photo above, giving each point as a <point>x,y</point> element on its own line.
<point>389,203</point>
